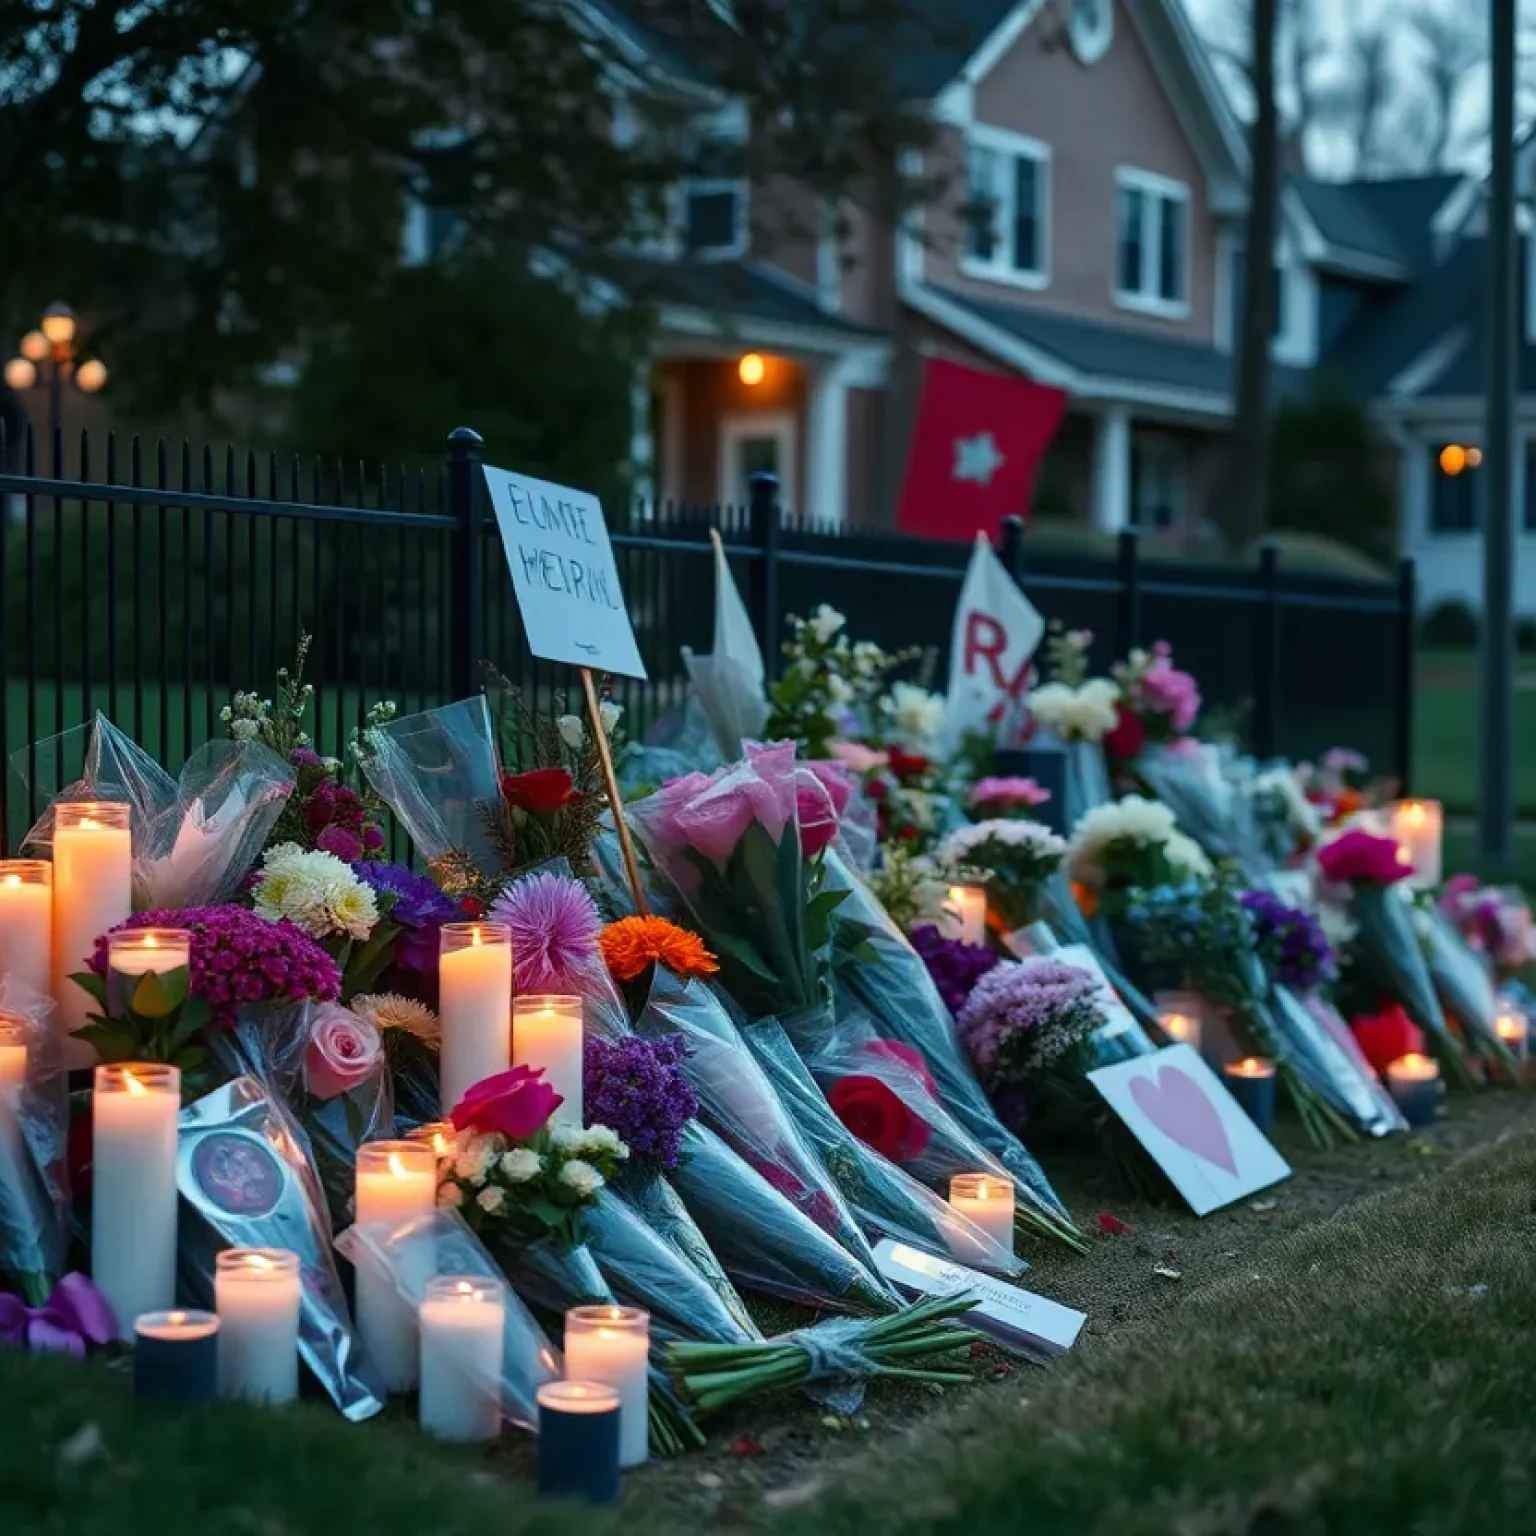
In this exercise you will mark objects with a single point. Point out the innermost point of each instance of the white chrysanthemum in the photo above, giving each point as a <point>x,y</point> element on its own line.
<point>567,1138</point>
<point>1131,820</point>
<point>1187,857</point>
<point>916,715</point>
<point>1087,713</point>
<point>960,846</point>
<point>601,1138</point>
<point>521,1164</point>
<point>491,1200</point>
<point>826,622</point>
<point>317,892</point>
<point>388,1010</point>
<point>450,1195</point>
<point>581,1177</point>
<point>610,714</point>
<point>572,732</point>
<point>475,1160</point>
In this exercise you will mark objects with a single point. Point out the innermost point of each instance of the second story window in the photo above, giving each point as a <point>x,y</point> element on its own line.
<point>1152,244</point>
<point>1007,209</point>
<point>714,203</point>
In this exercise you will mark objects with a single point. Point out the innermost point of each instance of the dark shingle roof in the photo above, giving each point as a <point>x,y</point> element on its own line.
<point>1113,352</point>
<point>1386,220</point>
<point>729,289</point>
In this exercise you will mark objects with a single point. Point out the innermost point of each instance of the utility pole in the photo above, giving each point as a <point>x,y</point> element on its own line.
<point>1496,803</point>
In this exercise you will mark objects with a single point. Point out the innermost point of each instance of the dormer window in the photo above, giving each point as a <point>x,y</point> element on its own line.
<point>714,205</point>
<point>1007,209</point>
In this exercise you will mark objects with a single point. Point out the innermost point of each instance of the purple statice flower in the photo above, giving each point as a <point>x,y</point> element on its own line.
<point>413,904</point>
<point>637,1088</point>
<point>306,757</point>
<point>336,839</point>
<point>956,967</point>
<point>1021,1019</point>
<point>555,926</point>
<point>239,958</point>
<point>1291,942</point>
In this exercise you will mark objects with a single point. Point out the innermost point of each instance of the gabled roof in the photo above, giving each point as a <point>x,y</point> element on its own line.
<point>1387,221</point>
<point>740,290</point>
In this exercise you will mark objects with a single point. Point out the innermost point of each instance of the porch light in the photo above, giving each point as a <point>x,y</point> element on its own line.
<point>59,324</point>
<point>1474,457</point>
<point>752,368</point>
<point>1453,459</point>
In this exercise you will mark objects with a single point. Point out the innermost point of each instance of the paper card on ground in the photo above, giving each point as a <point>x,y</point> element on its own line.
<point>564,574</point>
<point>1118,1019</point>
<point>1016,1318</point>
<point>1179,1110</point>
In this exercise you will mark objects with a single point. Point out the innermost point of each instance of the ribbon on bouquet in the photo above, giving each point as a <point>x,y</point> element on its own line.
<point>75,1315</point>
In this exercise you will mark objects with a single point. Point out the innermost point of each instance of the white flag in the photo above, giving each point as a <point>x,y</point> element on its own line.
<point>996,632</point>
<point>729,681</point>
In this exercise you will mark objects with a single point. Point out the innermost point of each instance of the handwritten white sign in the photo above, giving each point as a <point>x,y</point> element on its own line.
<point>563,573</point>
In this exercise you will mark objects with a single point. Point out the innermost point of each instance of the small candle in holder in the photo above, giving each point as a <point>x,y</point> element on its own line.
<point>437,1134</point>
<point>1179,1015</point>
<point>257,1292</point>
<point>579,1441</point>
<point>396,1183</point>
<point>475,1005</point>
<point>1418,827</point>
<point>988,1201</point>
<point>26,923</point>
<point>1251,1082</point>
<point>546,1032</point>
<point>92,893</point>
<point>16,1031</point>
<point>1414,1083</point>
<point>133,1187</point>
<point>612,1345</point>
<point>964,914</point>
<point>136,953</point>
<point>176,1356</point>
<point>463,1327</point>
<point>1513,1031</point>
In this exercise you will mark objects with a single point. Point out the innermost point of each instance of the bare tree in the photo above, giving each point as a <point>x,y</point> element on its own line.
<point>1248,472</point>
<point>1453,43</point>
<point>1363,99</point>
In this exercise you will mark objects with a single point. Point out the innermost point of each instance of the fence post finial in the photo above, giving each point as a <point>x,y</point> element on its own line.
<point>1011,546</point>
<point>466,620</point>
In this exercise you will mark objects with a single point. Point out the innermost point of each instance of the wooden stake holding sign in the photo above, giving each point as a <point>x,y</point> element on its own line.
<point>568,591</point>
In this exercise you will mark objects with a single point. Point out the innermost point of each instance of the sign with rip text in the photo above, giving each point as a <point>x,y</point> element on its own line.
<point>563,573</point>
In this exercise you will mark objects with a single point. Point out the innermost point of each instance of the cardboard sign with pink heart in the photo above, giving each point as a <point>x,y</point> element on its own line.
<point>1179,1110</point>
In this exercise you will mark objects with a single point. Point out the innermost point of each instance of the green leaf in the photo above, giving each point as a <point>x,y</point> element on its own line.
<point>93,985</point>
<point>116,1040</point>
<point>157,994</point>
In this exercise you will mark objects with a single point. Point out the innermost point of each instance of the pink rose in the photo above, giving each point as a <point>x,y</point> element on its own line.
<point>343,1051</point>
<point>1362,858</point>
<point>1008,791</point>
<point>854,755</point>
<point>834,779</point>
<point>1168,691</point>
<point>513,1104</point>
<point>815,813</point>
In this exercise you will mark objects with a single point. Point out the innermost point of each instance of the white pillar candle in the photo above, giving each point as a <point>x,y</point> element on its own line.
<point>396,1183</point>
<point>26,923</point>
<point>963,914</point>
<point>988,1201</point>
<point>546,1032</point>
<point>15,1036</point>
<point>257,1293</point>
<point>474,979</point>
<point>139,952</point>
<point>133,1188</point>
<point>92,892</point>
<point>613,1345</point>
<point>463,1329</point>
<point>1179,1014</point>
<point>1418,827</point>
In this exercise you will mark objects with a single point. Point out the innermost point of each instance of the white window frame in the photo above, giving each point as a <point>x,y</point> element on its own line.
<point>1175,455</point>
<point>709,186</point>
<point>1155,190</point>
<point>999,267</point>
<point>735,428</point>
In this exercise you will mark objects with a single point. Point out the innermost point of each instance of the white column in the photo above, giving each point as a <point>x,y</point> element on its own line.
<point>826,443</point>
<point>1111,491</point>
<point>1415,474</point>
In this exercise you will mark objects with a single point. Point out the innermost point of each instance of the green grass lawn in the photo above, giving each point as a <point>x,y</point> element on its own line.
<point>1446,722</point>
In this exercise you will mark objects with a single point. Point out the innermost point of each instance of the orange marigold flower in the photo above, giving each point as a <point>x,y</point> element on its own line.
<point>1086,899</point>
<point>634,943</point>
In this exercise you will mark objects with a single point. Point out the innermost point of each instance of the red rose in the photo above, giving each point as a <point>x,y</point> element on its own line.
<point>513,1104</point>
<point>878,1118</point>
<point>909,1057</point>
<point>907,765</point>
<point>1361,858</point>
<point>1128,737</point>
<point>1384,1036</point>
<point>541,791</point>
<point>875,789</point>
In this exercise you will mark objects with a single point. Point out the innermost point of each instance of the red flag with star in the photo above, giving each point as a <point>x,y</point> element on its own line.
<point>977,444</point>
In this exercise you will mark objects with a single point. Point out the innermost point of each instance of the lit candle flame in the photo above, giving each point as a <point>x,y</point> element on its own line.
<point>474,935</point>
<point>135,1088</point>
<point>176,1319</point>
<point>258,1261</point>
<point>13,879</point>
<point>440,1144</point>
<point>396,1167</point>
<point>89,824</point>
<point>1414,813</point>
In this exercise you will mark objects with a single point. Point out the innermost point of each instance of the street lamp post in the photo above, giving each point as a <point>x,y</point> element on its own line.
<point>49,357</point>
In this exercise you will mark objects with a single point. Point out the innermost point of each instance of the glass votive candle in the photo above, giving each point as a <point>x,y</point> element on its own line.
<point>988,1201</point>
<point>396,1183</point>
<point>963,914</point>
<point>474,977</point>
<point>1418,827</point>
<point>547,1033</point>
<point>579,1441</point>
<point>26,923</point>
<point>1414,1083</point>
<point>1179,1014</point>
<point>134,1109</point>
<point>613,1345</point>
<point>1513,1030</point>
<point>440,1135</point>
<point>16,1034</point>
<point>1251,1082</point>
<point>136,953</point>
<point>176,1356</point>
<point>463,1321</point>
<point>258,1293</point>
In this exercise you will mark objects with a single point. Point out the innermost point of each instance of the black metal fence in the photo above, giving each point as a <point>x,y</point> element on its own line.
<point>150,583</point>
